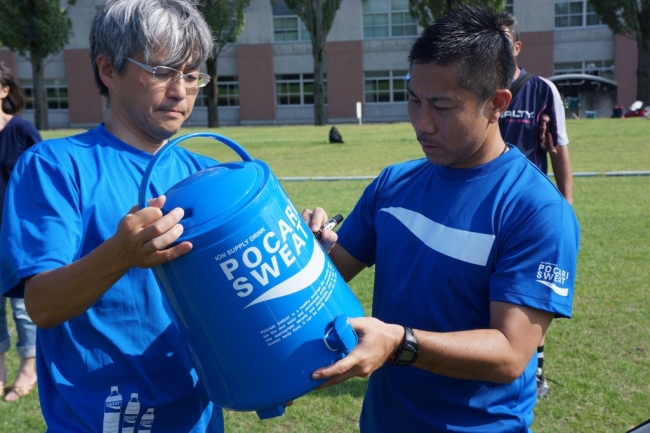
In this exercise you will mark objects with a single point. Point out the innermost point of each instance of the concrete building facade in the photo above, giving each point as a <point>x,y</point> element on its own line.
<point>266,76</point>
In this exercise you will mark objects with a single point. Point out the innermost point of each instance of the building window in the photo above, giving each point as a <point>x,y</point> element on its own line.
<point>591,17</point>
<point>55,90</point>
<point>296,89</point>
<point>508,7</point>
<point>575,14</point>
<point>287,26</point>
<point>599,68</point>
<point>228,93</point>
<point>567,68</point>
<point>387,18</point>
<point>385,86</point>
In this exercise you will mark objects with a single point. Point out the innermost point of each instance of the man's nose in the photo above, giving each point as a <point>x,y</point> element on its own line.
<point>176,89</point>
<point>425,120</point>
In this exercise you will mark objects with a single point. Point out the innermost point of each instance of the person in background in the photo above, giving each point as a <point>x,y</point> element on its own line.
<point>16,136</point>
<point>470,267</point>
<point>79,251</point>
<point>535,123</point>
<point>535,120</point>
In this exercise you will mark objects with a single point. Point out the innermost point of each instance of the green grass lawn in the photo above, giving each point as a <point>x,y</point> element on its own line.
<point>597,362</point>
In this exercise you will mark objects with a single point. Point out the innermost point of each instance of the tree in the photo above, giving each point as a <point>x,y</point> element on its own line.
<point>631,18</point>
<point>226,19</point>
<point>36,29</point>
<point>427,11</point>
<point>318,16</point>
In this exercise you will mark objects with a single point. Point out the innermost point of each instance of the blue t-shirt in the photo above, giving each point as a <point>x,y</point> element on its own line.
<point>519,123</point>
<point>17,136</point>
<point>122,363</point>
<point>446,242</point>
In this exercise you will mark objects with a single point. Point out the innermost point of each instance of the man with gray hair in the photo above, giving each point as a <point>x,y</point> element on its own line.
<point>76,248</point>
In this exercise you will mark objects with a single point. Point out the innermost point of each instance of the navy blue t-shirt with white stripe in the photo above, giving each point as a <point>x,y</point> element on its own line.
<point>519,123</point>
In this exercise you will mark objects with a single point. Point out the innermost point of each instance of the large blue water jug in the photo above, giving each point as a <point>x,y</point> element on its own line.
<point>257,301</point>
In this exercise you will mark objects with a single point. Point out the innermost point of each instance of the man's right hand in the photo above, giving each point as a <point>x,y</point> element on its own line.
<point>143,236</point>
<point>315,220</point>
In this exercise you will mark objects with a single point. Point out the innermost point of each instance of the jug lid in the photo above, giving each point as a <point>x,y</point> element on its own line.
<point>214,195</point>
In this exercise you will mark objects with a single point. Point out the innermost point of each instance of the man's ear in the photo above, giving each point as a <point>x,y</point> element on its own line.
<point>498,104</point>
<point>516,48</point>
<point>106,71</point>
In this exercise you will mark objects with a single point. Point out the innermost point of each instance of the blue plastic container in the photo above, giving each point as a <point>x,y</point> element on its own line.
<point>257,300</point>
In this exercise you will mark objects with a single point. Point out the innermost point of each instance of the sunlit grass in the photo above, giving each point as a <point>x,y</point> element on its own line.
<point>598,362</point>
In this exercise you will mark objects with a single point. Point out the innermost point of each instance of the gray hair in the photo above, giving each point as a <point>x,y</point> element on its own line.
<point>125,28</point>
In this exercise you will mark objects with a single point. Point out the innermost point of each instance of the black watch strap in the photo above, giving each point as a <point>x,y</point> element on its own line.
<point>408,351</point>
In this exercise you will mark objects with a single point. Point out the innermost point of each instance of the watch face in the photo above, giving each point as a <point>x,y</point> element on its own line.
<point>408,351</point>
<point>407,356</point>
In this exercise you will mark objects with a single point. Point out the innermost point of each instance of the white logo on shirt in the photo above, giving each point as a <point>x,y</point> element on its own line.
<point>518,114</point>
<point>550,275</point>
<point>462,245</point>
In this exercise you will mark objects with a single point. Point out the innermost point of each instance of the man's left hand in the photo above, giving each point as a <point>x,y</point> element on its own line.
<point>544,136</point>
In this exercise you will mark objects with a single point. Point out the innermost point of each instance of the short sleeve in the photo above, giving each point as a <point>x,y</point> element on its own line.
<point>357,234</point>
<point>556,106</point>
<point>41,226</point>
<point>538,259</point>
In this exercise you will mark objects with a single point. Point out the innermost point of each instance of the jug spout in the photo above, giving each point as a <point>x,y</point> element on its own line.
<point>340,336</point>
<point>271,412</point>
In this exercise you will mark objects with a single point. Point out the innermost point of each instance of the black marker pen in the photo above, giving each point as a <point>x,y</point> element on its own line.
<point>329,225</point>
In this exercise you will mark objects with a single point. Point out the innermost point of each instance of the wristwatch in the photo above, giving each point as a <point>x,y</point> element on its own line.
<point>408,351</point>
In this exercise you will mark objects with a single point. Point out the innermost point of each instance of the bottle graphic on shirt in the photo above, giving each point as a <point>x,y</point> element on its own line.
<point>146,421</point>
<point>112,409</point>
<point>131,414</point>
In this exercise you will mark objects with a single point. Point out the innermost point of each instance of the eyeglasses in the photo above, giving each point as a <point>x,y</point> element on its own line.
<point>168,75</point>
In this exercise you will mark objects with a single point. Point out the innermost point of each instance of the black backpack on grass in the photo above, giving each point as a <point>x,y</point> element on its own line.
<point>335,135</point>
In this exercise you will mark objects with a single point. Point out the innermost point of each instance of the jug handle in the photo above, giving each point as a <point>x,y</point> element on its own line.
<point>146,177</point>
<point>340,336</point>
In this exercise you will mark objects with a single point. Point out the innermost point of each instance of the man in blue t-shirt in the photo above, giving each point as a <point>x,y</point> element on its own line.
<point>79,251</point>
<point>535,123</point>
<point>470,269</point>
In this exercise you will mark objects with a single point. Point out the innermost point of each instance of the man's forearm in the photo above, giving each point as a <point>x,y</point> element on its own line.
<point>499,353</point>
<point>561,163</point>
<point>482,354</point>
<point>55,296</point>
<point>141,241</point>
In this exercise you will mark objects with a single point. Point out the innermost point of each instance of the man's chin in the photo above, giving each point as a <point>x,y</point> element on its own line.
<point>436,160</point>
<point>166,132</point>
<point>170,127</point>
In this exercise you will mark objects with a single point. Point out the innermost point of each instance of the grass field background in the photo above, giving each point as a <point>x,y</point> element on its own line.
<point>597,362</point>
